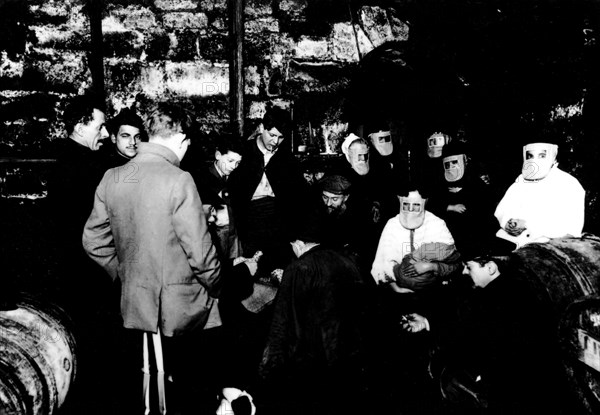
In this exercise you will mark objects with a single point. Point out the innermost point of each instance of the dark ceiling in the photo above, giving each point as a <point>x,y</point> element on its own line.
<point>495,62</point>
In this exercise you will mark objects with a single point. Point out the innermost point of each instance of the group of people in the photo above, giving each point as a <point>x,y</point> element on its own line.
<point>239,274</point>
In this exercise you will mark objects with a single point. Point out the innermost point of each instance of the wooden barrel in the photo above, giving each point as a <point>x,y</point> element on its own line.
<point>565,275</point>
<point>37,358</point>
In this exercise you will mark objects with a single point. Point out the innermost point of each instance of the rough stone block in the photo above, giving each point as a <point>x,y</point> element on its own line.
<point>252,81</point>
<point>325,77</point>
<point>382,25</point>
<point>293,8</point>
<point>129,18</point>
<point>52,8</point>
<point>213,5</point>
<point>153,80</point>
<point>261,25</point>
<point>175,4</point>
<point>257,8</point>
<point>311,49</point>
<point>63,71</point>
<point>196,79</point>
<point>343,43</point>
<point>185,20</point>
<point>10,68</point>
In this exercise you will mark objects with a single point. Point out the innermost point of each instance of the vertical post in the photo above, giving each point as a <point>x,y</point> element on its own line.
<point>96,55</point>
<point>236,73</point>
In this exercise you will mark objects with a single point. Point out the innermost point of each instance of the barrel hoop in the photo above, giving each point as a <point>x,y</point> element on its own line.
<point>28,349</point>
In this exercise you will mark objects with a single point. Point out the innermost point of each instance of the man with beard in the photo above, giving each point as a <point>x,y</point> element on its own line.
<point>416,250</point>
<point>371,193</point>
<point>342,227</point>
<point>544,201</point>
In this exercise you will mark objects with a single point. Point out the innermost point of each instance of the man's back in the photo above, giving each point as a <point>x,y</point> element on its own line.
<point>164,255</point>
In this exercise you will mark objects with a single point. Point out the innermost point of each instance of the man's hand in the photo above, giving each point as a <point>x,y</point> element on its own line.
<point>515,227</point>
<point>423,267</point>
<point>252,267</point>
<point>458,208</point>
<point>414,323</point>
<point>376,212</point>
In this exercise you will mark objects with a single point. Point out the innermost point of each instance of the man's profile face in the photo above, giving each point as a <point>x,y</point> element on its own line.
<point>334,202</point>
<point>271,138</point>
<point>227,162</point>
<point>478,273</point>
<point>94,132</point>
<point>126,140</point>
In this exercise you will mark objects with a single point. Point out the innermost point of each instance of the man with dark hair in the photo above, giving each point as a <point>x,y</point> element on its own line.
<point>268,190</point>
<point>215,177</point>
<point>148,229</point>
<point>493,345</point>
<point>79,165</point>
<point>312,359</point>
<point>126,131</point>
<point>71,185</point>
<point>342,227</point>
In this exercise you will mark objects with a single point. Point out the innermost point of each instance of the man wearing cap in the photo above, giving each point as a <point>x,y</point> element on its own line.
<point>311,361</point>
<point>343,228</point>
<point>544,201</point>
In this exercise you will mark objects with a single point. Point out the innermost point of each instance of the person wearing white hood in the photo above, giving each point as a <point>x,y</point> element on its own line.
<point>416,250</point>
<point>544,202</point>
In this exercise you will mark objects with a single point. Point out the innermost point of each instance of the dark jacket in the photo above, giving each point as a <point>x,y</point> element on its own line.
<point>285,177</point>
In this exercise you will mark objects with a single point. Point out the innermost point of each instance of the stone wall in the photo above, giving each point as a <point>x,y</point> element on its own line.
<point>175,50</point>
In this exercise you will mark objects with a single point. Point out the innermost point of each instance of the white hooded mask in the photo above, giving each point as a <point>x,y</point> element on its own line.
<point>382,141</point>
<point>357,154</point>
<point>412,210</point>
<point>454,167</point>
<point>435,144</point>
<point>538,160</point>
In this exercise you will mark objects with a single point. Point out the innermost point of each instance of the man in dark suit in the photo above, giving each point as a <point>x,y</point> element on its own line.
<point>268,190</point>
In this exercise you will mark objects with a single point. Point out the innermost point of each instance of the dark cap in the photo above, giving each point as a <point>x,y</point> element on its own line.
<point>335,184</point>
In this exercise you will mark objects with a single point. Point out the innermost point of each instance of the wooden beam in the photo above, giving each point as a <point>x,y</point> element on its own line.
<point>236,67</point>
<point>96,53</point>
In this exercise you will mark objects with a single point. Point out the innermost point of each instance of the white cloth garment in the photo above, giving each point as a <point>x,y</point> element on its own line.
<point>552,207</point>
<point>394,243</point>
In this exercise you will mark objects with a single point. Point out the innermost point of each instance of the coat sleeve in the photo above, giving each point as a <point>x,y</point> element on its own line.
<point>97,238</point>
<point>191,229</point>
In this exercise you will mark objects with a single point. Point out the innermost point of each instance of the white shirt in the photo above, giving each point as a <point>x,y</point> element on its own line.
<point>552,207</point>
<point>264,188</point>
<point>394,243</point>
